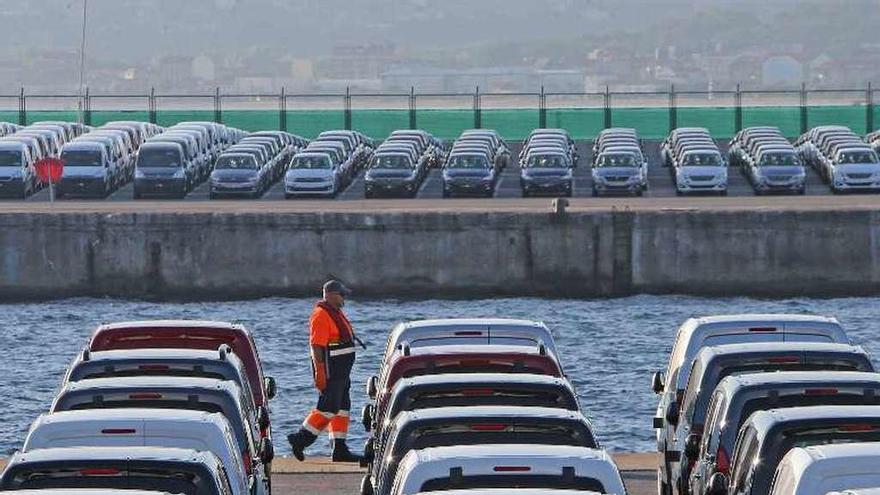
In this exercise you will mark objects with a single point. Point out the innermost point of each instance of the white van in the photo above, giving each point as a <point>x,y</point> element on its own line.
<point>696,333</point>
<point>507,466</point>
<point>821,469</point>
<point>179,428</point>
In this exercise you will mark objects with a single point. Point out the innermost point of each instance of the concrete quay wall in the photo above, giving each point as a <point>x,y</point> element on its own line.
<point>589,253</point>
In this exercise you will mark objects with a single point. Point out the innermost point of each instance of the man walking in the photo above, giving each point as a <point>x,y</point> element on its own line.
<point>332,339</point>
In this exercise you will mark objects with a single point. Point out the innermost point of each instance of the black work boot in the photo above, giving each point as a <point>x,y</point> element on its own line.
<point>341,452</point>
<point>299,441</point>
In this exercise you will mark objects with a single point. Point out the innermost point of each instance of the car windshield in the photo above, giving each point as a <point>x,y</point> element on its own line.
<point>10,158</point>
<point>236,162</point>
<point>311,162</point>
<point>546,161</point>
<point>860,156</point>
<point>468,161</point>
<point>617,160</point>
<point>702,160</point>
<point>159,158</point>
<point>392,161</point>
<point>81,158</point>
<point>779,160</point>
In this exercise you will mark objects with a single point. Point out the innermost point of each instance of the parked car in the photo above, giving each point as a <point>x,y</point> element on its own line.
<point>88,170</point>
<point>190,334</point>
<point>313,174</point>
<point>392,174</point>
<point>238,174</point>
<point>821,469</point>
<point>171,392</point>
<point>545,469</point>
<point>696,333</point>
<point>767,436</point>
<point>475,425</point>
<point>619,172</point>
<point>547,171</point>
<point>176,428</point>
<point>469,174</point>
<point>738,396</point>
<point>141,468</point>
<point>18,176</point>
<point>162,170</point>
<point>714,363</point>
<point>776,168</point>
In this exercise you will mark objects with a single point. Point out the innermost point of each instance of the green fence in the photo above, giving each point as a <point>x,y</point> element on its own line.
<point>514,121</point>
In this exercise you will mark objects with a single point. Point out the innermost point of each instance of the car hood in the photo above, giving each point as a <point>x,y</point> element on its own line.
<point>309,173</point>
<point>83,172</point>
<point>389,173</point>
<point>781,170</point>
<point>7,172</point>
<point>617,171</point>
<point>858,168</point>
<point>467,172</point>
<point>713,171</point>
<point>159,172</point>
<point>545,172</point>
<point>233,174</point>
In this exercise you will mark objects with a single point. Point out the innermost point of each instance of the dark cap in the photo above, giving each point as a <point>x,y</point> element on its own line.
<point>337,287</point>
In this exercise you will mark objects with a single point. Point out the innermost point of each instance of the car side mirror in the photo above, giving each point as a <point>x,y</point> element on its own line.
<point>672,413</point>
<point>267,450</point>
<point>717,484</point>
<point>367,416</point>
<point>657,382</point>
<point>271,387</point>
<point>692,445</point>
<point>373,386</point>
<point>262,417</point>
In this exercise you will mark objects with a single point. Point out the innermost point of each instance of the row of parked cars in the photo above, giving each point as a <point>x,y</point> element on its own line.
<point>619,164</point>
<point>21,147</point>
<point>547,160</point>
<point>843,159</point>
<point>474,164</point>
<point>328,164</point>
<point>695,162</point>
<point>478,406</point>
<point>160,406</point>
<point>768,160</point>
<point>767,404</point>
<point>399,165</point>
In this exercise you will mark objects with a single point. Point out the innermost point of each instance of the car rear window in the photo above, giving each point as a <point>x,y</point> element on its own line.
<point>89,372</point>
<point>170,478</point>
<point>159,158</point>
<point>488,396</point>
<point>514,481</point>
<point>473,433</point>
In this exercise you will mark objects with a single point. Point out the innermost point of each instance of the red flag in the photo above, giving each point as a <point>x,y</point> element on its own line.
<point>50,170</point>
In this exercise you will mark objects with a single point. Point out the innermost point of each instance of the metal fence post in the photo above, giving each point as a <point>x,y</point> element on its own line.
<point>151,105</point>
<point>542,109</point>
<point>412,107</point>
<point>346,109</point>
<point>869,109</point>
<point>282,111</point>
<point>607,110</point>
<point>218,112</point>
<point>673,110</point>
<point>478,109</point>
<point>87,108</point>
<point>804,117</point>
<point>738,110</point>
<point>22,108</point>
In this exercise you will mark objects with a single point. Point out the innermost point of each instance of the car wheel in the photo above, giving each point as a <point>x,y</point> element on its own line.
<point>212,195</point>
<point>446,193</point>
<point>288,196</point>
<point>368,194</point>
<point>568,192</point>
<point>724,192</point>
<point>678,193</point>
<point>366,486</point>
<point>136,195</point>
<point>802,191</point>
<point>662,488</point>
<point>595,193</point>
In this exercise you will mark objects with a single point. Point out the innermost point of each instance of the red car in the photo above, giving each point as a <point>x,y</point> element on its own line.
<point>190,334</point>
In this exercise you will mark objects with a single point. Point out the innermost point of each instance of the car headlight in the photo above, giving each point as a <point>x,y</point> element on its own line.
<point>180,174</point>
<point>138,174</point>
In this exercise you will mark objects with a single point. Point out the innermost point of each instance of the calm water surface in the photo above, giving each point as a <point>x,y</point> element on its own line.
<point>608,347</point>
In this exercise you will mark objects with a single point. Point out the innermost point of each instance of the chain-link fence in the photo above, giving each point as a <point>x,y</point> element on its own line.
<point>514,115</point>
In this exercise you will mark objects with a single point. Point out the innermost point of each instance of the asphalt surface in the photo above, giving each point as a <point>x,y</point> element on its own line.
<point>508,186</point>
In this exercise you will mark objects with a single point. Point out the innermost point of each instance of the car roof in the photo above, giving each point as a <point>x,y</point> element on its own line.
<point>16,145</point>
<point>475,378</point>
<point>88,491</point>
<point>171,323</point>
<point>764,420</point>
<point>114,453</point>
<point>795,378</point>
<point>159,353</point>
<point>470,349</point>
<point>511,412</point>
<point>711,352</point>
<point>163,382</point>
<point>82,145</point>
<point>161,144</point>
<point>511,451</point>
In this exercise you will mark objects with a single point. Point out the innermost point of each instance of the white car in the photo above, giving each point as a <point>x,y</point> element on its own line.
<point>700,169</point>
<point>507,466</point>
<point>312,173</point>
<point>179,428</point>
<point>696,333</point>
<point>854,168</point>
<point>821,469</point>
